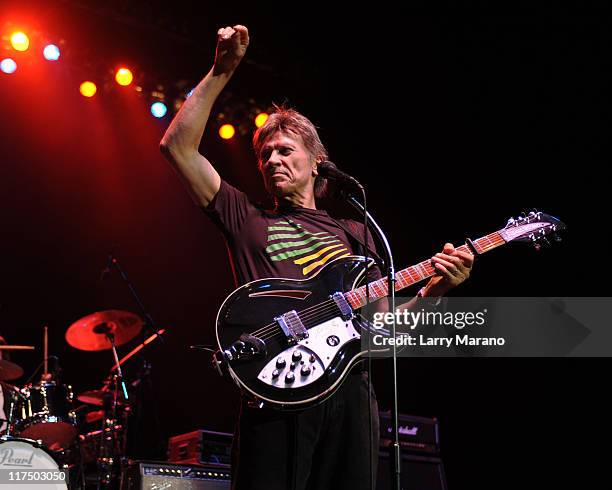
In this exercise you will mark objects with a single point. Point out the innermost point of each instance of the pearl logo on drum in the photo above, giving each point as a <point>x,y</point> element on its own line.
<point>7,457</point>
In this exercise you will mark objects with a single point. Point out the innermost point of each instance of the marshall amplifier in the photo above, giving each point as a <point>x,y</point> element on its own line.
<point>416,434</point>
<point>201,447</point>
<point>141,475</point>
<point>418,472</point>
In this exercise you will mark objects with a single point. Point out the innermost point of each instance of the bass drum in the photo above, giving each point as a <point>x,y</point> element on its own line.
<point>24,458</point>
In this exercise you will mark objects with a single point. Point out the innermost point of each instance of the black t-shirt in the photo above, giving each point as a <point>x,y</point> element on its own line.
<point>294,243</point>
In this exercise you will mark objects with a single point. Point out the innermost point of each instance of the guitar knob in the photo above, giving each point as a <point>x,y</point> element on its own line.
<point>275,374</point>
<point>305,371</point>
<point>280,363</point>
<point>290,377</point>
<point>238,346</point>
<point>292,366</point>
<point>297,355</point>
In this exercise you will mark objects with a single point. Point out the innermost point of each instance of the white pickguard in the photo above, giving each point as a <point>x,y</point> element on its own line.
<point>316,354</point>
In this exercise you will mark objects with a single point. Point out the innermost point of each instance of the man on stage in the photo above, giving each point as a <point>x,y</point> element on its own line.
<point>328,446</point>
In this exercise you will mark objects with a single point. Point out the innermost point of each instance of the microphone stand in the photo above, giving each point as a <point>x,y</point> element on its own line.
<point>149,323</point>
<point>149,328</point>
<point>388,258</point>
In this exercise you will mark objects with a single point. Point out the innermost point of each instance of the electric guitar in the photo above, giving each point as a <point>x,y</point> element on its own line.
<point>290,343</point>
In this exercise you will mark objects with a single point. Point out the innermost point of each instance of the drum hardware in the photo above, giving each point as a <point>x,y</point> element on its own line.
<point>139,347</point>
<point>9,370</point>
<point>44,409</point>
<point>149,328</point>
<point>100,331</point>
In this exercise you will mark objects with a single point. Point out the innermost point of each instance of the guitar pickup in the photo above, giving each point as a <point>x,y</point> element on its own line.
<point>345,309</point>
<point>292,327</point>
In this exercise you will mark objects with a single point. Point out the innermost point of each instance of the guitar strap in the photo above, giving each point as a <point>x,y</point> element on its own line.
<point>352,231</point>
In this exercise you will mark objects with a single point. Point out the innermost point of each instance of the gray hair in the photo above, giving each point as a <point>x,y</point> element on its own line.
<point>287,120</point>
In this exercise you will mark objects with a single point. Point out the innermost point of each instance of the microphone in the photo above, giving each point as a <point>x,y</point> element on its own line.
<point>329,170</point>
<point>106,271</point>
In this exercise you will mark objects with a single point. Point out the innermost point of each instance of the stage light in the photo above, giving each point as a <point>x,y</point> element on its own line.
<point>124,76</point>
<point>8,65</point>
<point>261,119</point>
<point>88,89</point>
<point>51,52</point>
<point>227,131</point>
<point>159,109</point>
<point>20,41</point>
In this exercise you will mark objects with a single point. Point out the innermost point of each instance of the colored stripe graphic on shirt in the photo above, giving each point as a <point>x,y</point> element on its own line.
<point>302,242</point>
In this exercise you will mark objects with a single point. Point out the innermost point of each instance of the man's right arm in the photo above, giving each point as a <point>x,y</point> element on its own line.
<point>182,138</point>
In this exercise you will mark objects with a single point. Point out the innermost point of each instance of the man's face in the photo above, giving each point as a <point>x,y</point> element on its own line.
<point>286,166</point>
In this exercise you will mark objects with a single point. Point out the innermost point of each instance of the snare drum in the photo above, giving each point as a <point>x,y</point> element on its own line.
<point>23,460</point>
<point>48,415</point>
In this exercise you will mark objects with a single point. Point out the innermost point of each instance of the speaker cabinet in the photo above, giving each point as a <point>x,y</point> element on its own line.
<point>417,473</point>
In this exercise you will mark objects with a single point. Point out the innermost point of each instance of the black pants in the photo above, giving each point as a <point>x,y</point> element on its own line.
<point>320,448</point>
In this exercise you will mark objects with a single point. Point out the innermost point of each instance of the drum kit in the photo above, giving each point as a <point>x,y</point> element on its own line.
<point>42,423</point>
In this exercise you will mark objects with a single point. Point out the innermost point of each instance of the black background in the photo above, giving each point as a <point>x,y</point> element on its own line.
<point>455,120</point>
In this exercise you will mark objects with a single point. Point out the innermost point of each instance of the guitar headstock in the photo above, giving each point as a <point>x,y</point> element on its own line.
<point>535,227</point>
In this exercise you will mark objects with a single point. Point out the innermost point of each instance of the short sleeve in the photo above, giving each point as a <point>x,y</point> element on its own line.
<point>229,209</point>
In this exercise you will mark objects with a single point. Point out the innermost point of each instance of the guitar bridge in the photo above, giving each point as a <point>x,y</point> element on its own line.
<point>292,327</point>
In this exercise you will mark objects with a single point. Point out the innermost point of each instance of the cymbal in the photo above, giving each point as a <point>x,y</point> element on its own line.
<point>9,370</point>
<point>94,417</point>
<point>93,397</point>
<point>89,333</point>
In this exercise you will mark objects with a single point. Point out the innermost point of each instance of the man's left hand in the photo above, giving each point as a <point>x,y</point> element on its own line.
<point>452,268</point>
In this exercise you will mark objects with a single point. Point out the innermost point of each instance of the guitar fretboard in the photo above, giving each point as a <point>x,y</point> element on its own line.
<point>416,273</point>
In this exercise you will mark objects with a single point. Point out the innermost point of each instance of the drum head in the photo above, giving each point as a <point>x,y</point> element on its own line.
<point>55,435</point>
<point>23,456</point>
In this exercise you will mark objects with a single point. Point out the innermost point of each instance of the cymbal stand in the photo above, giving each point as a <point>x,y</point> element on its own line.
<point>112,444</point>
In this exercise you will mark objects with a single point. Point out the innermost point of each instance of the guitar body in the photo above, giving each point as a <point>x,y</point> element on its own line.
<point>319,362</point>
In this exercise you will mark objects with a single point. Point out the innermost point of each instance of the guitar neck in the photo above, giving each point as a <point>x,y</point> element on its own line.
<point>416,273</point>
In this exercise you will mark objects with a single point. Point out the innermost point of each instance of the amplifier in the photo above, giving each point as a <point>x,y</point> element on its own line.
<point>418,472</point>
<point>416,434</point>
<point>201,447</point>
<point>141,475</point>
